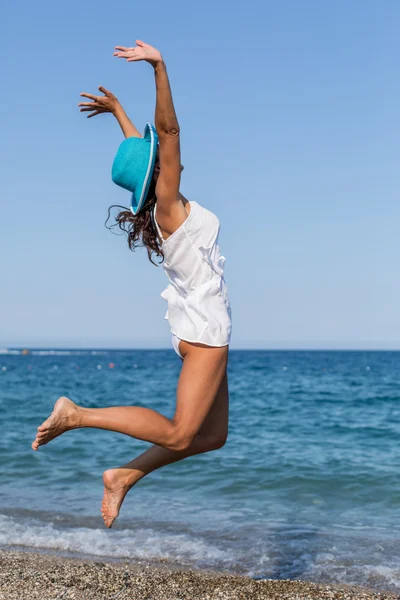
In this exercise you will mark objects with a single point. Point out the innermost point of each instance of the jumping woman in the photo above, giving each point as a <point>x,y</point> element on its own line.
<point>185,237</point>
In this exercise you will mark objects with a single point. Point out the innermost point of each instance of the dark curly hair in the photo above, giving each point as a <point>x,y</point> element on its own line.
<point>140,227</point>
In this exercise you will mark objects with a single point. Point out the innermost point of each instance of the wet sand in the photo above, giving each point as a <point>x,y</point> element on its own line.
<point>30,576</point>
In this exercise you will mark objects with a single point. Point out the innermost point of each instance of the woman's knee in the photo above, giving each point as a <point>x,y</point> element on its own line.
<point>214,441</point>
<point>218,441</point>
<point>179,440</point>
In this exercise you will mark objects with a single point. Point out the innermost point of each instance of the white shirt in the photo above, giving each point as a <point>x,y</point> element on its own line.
<point>197,295</point>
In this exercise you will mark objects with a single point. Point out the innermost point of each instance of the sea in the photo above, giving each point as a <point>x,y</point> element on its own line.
<point>307,486</point>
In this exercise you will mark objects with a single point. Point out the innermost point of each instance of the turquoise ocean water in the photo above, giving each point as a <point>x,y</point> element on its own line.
<point>307,486</point>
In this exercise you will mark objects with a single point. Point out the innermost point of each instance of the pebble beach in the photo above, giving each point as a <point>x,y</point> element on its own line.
<point>31,576</point>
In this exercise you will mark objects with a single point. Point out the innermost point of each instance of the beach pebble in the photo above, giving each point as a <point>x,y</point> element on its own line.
<point>26,575</point>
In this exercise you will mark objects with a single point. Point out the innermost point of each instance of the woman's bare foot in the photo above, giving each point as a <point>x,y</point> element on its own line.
<point>63,417</point>
<point>117,483</point>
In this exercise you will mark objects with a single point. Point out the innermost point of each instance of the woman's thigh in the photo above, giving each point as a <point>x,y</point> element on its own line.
<point>202,376</point>
<point>215,425</point>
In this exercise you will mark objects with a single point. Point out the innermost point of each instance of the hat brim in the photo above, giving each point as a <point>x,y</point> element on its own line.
<point>139,198</point>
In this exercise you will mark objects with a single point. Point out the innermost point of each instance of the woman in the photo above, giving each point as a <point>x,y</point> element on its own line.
<point>185,236</point>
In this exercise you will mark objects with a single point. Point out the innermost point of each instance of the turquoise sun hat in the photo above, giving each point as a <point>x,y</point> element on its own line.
<point>133,165</point>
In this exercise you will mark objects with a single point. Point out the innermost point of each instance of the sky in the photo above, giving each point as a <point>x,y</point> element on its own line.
<point>289,115</point>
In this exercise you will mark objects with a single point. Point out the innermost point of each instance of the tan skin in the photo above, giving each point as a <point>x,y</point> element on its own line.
<point>200,422</point>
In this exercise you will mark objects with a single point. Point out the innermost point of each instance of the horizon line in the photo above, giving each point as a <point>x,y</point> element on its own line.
<point>232,349</point>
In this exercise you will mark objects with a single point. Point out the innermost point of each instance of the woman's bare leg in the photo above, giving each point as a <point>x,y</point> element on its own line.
<point>212,435</point>
<point>201,376</point>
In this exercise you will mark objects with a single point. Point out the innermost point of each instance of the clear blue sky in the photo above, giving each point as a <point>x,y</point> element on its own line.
<point>289,114</point>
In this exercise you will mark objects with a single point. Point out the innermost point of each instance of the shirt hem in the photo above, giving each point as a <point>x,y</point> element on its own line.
<point>197,341</point>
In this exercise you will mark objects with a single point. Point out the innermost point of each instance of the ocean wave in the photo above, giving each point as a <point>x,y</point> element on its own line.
<point>293,553</point>
<point>139,544</point>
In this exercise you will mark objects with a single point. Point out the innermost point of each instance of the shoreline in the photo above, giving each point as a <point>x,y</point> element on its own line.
<point>35,575</point>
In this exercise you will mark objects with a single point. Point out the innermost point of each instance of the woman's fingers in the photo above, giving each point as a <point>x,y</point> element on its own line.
<point>123,48</point>
<point>96,112</point>
<point>91,104</point>
<point>92,112</point>
<point>104,91</point>
<point>90,108</point>
<point>90,96</point>
<point>126,53</point>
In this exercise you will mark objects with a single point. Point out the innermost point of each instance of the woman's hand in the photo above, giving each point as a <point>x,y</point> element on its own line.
<point>141,52</point>
<point>100,104</point>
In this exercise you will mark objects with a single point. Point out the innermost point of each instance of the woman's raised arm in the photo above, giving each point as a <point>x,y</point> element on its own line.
<point>167,189</point>
<point>109,103</point>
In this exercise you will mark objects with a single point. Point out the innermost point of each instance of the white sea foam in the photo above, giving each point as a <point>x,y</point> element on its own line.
<point>389,576</point>
<point>189,549</point>
<point>50,352</point>
<point>137,544</point>
<point>65,352</point>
